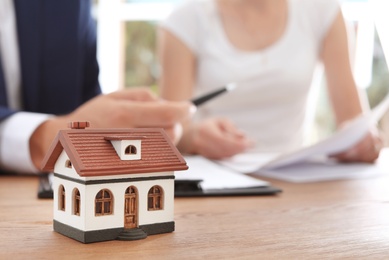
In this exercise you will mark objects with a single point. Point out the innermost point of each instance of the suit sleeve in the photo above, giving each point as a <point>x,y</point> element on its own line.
<point>5,112</point>
<point>91,67</point>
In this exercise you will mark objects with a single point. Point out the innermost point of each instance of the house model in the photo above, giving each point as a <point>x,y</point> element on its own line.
<point>113,183</point>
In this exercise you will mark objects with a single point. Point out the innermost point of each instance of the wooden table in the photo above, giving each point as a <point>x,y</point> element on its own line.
<point>338,219</point>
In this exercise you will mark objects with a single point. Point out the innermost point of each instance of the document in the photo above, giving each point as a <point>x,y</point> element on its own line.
<point>214,176</point>
<point>309,160</point>
<point>216,180</point>
<point>324,170</point>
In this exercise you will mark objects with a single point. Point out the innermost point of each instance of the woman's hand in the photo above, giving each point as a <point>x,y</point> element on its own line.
<point>367,150</point>
<point>215,138</point>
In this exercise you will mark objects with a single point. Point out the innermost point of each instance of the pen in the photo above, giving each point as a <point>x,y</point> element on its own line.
<point>200,100</point>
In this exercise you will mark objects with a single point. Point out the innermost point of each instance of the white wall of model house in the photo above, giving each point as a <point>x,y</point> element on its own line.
<point>87,221</point>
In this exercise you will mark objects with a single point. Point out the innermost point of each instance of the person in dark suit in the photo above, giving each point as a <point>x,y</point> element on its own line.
<point>49,77</point>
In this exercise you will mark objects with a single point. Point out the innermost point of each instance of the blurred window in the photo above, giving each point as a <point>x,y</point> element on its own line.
<point>127,51</point>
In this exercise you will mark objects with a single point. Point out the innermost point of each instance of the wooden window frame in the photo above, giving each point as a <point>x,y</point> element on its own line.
<point>76,202</point>
<point>103,204</point>
<point>68,164</point>
<point>131,149</point>
<point>155,198</point>
<point>61,198</point>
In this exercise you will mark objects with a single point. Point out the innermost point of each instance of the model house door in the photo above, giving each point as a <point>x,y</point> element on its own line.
<point>131,208</point>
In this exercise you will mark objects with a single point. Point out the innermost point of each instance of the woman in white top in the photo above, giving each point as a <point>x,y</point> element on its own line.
<point>270,48</point>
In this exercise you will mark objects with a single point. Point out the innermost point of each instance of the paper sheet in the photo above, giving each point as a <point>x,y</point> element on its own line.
<point>342,140</point>
<point>214,176</point>
<point>315,171</point>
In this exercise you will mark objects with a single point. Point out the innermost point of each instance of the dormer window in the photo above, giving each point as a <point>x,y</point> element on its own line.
<point>68,164</point>
<point>128,148</point>
<point>131,149</point>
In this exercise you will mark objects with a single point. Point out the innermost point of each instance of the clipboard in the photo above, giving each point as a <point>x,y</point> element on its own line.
<point>205,178</point>
<point>45,190</point>
<point>192,188</point>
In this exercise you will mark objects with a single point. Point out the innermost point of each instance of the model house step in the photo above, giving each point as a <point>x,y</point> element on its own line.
<point>132,234</point>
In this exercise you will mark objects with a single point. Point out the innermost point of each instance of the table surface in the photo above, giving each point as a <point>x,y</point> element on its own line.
<point>334,219</point>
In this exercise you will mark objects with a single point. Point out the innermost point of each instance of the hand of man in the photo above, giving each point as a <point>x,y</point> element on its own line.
<point>135,107</point>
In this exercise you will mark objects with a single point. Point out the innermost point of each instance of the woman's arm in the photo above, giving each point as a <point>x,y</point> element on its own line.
<point>178,67</point>
<point>342,89</point>
<point>177,79</point>
<point>347,102</point>
<point>214,138</point>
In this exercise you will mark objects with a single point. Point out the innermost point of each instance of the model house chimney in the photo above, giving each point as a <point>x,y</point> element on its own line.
<point>78,125</point>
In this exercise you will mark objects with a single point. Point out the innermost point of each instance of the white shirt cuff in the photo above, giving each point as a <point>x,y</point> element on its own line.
<point>15,133</point>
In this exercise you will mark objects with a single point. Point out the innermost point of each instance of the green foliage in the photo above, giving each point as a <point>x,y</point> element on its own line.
<point>380,82</point>
<point>141,67</point>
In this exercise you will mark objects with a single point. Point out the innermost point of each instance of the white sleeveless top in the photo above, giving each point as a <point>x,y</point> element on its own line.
<point>270,101</point>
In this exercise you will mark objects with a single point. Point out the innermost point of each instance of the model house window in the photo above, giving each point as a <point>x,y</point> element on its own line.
<point>131,149</point>
<point>155,198</point>
<point>61,198</point>
<point>68,164</point>
<point>76,202</point>
<point>104,203</point>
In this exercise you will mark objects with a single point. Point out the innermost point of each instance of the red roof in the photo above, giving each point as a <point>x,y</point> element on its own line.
<point>92,154</point>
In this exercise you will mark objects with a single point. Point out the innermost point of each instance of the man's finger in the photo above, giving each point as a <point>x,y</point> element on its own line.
<point>135,94</point>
